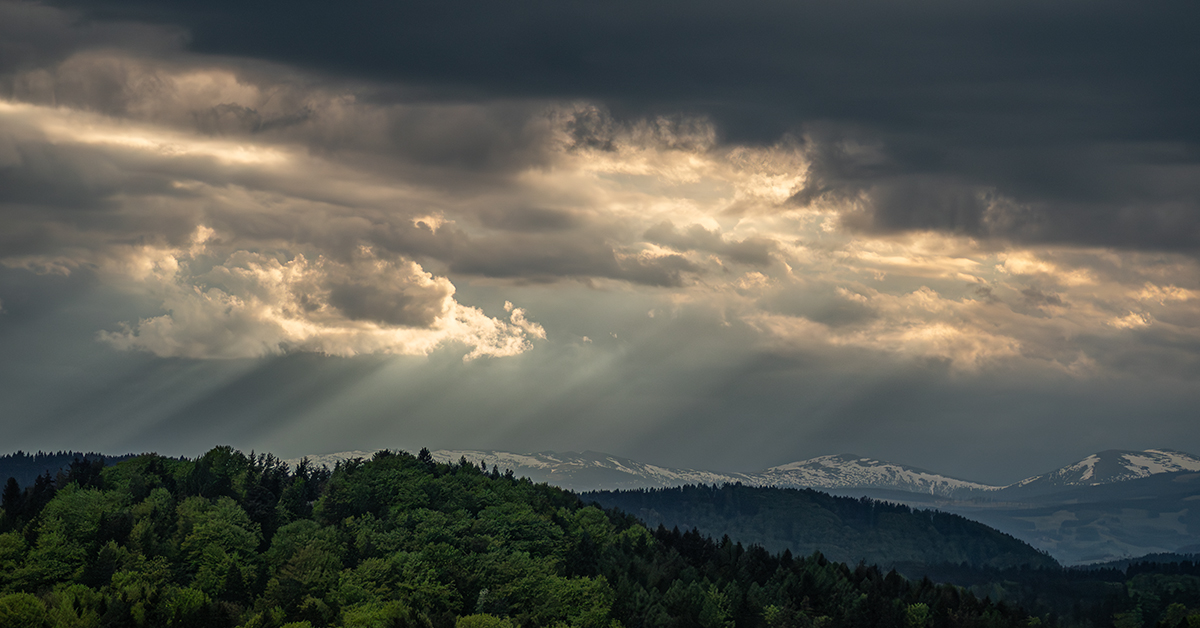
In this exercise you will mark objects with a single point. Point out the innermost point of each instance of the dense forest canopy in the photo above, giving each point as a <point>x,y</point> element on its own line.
<point>399,540</point>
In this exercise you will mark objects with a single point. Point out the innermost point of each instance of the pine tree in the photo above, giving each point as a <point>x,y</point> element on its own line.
<point>11,501</point>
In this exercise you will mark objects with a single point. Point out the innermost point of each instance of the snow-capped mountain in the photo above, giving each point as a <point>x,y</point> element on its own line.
<point>593,471</point>
<point>850,471</point>
<point>588,470</point>
<point>585,471</point>
<point>1112,466</point>
<point>332,460</point>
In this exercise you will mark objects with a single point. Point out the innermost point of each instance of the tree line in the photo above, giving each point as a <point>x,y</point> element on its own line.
<point>240,540</point>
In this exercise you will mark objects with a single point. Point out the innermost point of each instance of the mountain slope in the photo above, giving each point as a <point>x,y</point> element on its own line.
<point>1108,467</point>
<point>1100,522</point>
<point>844,529</point>
<point>584,471</point>
<point>591,470</point>
<point>850,471</point>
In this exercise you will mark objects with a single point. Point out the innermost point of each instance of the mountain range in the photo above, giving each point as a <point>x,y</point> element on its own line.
<point>591,470</point>
<point>1108,506</point>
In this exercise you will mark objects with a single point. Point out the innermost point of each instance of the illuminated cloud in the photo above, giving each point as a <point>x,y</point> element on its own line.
<point>252,305</point>
<point>630,215</point>
<point>305,248</point>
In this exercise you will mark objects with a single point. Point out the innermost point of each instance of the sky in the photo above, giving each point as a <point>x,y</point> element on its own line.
<point>958,235</point>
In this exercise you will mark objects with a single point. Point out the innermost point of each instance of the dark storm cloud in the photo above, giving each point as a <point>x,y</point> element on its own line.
<point>32,35</point>
<point>269,104</point>
<point>529,219</point>
<point>1066,121</point>
<point>71,178</point>
<point>1036,297</point>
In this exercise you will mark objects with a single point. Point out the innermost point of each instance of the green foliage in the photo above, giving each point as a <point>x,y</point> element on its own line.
<point>483,620</point>
<point>384,615</point>
<point>917,615</point>
<point>22,610</point>
<point>76,605</point>
<point>230,540</point>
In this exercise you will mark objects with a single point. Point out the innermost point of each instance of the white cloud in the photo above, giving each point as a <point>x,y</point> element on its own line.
<point>1162,294</point>
<point>250,305</point>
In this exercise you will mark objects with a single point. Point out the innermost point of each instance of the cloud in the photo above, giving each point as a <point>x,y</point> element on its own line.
<point>33,35</point>
<point>343,219</point>
<point>864,224</point>
<point>1037,298</point>
<point>252,305</point>
<point>1082,134</point>
<point>753,251</point>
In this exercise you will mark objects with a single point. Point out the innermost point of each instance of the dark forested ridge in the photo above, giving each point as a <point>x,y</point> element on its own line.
<point>1160,560</point>
<point>399,540</point>
<point>1150,592</point>
<point>842,528</point>
<point>25,468</point>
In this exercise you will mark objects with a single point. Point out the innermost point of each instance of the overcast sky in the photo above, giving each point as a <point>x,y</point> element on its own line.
<point>723,235</point>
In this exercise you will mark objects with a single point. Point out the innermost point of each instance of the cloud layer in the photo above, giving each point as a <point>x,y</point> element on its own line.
<point>970,192</point>
<point>278,214</point>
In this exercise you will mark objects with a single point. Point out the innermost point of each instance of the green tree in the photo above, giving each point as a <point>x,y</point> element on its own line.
<point>917,615</point>
<point>22,610</point>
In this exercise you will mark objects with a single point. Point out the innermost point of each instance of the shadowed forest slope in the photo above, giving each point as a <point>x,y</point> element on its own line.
<point>843,529</point>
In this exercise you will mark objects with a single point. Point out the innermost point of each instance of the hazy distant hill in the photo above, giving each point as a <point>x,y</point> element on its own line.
<point>1168,558</point>
<point>1103,522</point>
<point>844,529</point>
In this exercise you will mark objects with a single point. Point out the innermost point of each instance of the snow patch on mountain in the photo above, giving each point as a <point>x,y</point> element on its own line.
<point>1114,465</point>
<point>591,470</point>
<point>588,470</point>
<point>331,460</point>
<point>851,471</point>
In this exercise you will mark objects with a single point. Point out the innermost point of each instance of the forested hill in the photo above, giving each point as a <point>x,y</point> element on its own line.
<point>230,540</point>
<point>842,528</point>
<point>25,468</point>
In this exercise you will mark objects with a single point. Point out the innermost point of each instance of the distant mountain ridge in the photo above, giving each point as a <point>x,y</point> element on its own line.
<point>1097,523</point>
<point>850,471</point>
<point>1107,467</point>
<point>591,470</point>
